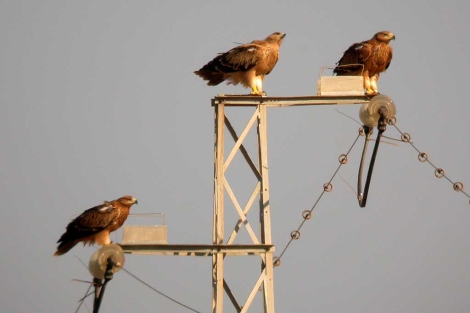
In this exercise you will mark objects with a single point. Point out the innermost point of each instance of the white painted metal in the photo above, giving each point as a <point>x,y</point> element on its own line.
<point>261,190</point>
<point>198,249</point>
<point>261,246</point>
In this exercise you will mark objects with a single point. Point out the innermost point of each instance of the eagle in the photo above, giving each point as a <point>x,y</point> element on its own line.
<point>367,58</point>
<point>95,224</point>
<point>246,64</point>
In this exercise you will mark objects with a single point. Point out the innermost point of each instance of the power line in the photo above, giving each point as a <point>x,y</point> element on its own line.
<point>423,157</point>
<point>159,292</point>
<point>307,214</point>
<point>84,297</point>
<point>138,279</point>
<point>405,137</point>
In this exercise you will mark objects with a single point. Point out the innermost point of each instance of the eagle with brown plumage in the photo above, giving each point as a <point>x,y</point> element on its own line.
<point>95,224</point>
<point>246,64</point>
<point>368,58</point>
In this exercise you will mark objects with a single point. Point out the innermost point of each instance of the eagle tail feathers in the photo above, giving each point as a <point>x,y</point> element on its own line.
<point>64,247</point>
<point>213,78</point>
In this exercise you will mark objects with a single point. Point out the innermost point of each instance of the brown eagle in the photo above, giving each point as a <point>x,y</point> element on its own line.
<point>95,224</point>
<point>246,64</point>
<point>368,58</point>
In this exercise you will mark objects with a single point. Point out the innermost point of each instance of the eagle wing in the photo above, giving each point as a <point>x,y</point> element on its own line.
<point>93,220</point>
<point>87,225</point>
<point>354,59</point>
<point>253,56</point>
<point>246,64</point>
<point>245,57</point>
<point>95,224</point>
<point>367,58</point>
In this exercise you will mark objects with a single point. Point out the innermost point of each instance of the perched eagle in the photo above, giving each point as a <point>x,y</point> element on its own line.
<point>95,224</point>
<point>368,58</point>
<point>246,64</point>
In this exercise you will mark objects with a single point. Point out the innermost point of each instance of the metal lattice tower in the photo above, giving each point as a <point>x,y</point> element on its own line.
<point>261,244</point>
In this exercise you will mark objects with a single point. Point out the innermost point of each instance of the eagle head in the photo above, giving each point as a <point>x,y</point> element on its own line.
<point>128,200</point>
<point>384,36</point>
<point>276,37</point>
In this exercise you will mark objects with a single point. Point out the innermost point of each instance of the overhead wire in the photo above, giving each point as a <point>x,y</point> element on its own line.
<point>159,292</point>
<point>307,214</point>
<point>423,157</point>
<point>83,298</point>
<point>327,187</point>
<point>405,137</point>
<point>87,293</point>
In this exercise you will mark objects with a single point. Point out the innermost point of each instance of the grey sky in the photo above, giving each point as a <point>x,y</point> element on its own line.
<point>99,100</point>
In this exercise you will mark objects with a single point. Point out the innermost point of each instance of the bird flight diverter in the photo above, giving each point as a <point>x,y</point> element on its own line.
<point>369,112</point>
<point>99,260</point>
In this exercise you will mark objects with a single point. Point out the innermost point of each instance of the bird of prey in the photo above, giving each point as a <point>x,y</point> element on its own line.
<point>95,224</point>
<point>246,64</point>
<point>368,58</point>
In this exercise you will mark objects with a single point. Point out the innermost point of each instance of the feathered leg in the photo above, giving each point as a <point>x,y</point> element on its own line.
<point>373,83</point>
<point>257,87</point>
<point>367,84</point>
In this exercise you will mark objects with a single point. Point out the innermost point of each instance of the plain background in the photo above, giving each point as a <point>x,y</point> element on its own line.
<point>98,100</point>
